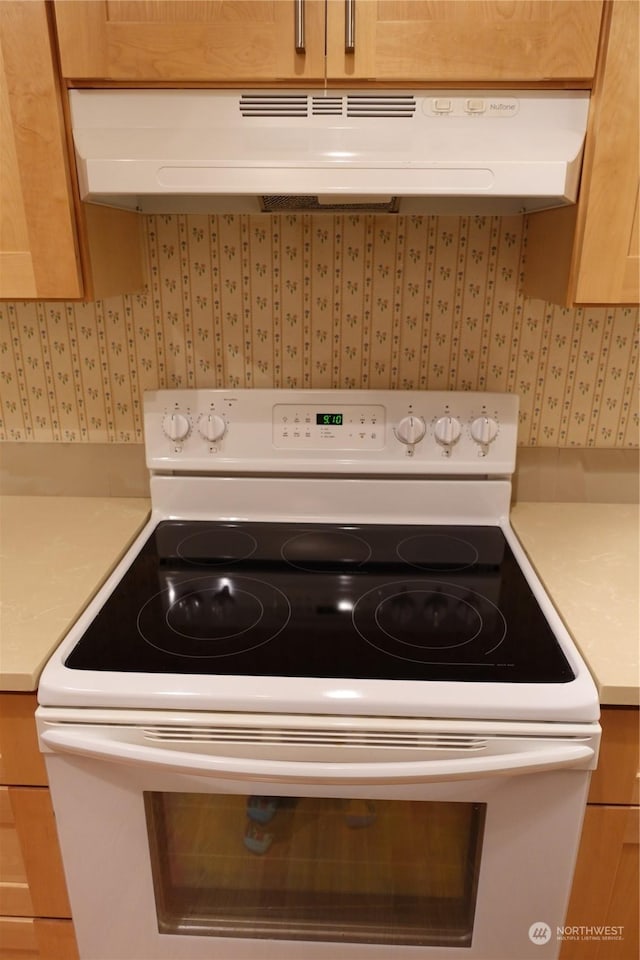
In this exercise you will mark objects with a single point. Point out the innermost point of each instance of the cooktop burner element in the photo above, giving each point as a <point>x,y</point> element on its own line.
<point>430,621</point>
<point>227,546</point>
<point>336,551</point>
<point>213,616</point>
<point>433,551</point>
<point>324,600</point>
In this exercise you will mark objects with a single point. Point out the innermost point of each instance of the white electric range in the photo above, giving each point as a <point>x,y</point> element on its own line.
<point>326,631</point>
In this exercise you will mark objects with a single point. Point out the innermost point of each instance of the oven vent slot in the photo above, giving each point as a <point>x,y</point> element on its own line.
<point>317,737</point>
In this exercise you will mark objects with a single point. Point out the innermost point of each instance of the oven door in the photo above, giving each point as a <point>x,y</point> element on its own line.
<point>203,842</point>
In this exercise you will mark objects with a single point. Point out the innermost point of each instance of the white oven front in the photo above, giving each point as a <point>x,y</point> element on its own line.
<point>289,838</point>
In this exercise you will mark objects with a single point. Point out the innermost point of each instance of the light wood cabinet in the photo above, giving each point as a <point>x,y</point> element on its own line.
<point>452,40</point>
<point>605,888</point>
<point>183,40</point>
<point>23,938</point>
<point>34,907</point>
<point>590,253</point>
<point>395,40</point>
<point>31,875</point>
<point>51,247</point>
<point>38,250</point>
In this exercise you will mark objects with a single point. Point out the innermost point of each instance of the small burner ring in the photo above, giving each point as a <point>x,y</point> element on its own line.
<point>438,551</point>
<point>326,551</point>
<point>230,546</point>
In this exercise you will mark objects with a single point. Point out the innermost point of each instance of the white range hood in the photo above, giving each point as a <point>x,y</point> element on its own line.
<point>407,151</point>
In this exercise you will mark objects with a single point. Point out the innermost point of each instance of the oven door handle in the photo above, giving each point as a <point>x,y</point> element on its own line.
<point>536,759</point>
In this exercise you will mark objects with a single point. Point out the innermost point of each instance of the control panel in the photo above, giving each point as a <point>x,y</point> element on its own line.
<point>492,106</point>
<point>339,426</point>
<point>331,431</point>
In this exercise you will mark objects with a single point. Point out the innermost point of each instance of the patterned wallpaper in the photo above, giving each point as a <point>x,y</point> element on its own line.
<point>321,301</point>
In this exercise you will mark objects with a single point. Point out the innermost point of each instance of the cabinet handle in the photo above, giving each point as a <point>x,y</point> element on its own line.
<point>299,26</point>
<point>349,26</point>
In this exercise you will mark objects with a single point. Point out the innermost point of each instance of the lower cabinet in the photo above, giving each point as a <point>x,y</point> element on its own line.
<point>602,921</point>
<point>35,916</point>
<point>30,938</point>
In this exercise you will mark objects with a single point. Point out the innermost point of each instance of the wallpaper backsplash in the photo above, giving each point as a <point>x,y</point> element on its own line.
<point>321,301</point>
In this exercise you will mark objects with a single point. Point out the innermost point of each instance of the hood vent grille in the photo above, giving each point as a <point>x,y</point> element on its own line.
<point>390,106</point>
<point>274,105</point>
<point>301,105</point>
<point>327,106</point>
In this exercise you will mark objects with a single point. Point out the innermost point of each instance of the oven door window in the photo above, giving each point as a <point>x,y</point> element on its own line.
<point>324,869</point>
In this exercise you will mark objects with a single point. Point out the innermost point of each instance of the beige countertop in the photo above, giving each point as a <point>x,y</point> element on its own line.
<point>56,551</point>
<point>586,555</point>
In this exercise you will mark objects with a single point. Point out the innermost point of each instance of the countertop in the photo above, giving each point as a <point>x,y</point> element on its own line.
<point>55,552</point>
<point>586,555</point>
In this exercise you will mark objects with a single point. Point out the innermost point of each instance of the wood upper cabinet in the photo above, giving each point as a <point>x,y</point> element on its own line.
<point>590,253</point>
<point>190,40</point>
<point>38,249</point>
<point>401,40</point>
<point>51,246</point>
<point>456,40</point>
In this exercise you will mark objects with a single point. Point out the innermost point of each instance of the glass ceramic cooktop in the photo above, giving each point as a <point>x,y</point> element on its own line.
<point>316,600</point>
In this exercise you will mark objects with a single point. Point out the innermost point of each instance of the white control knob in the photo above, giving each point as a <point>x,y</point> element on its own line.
<point>447,430</point>
<point>176,426</point>
<point>212,427</point>
<point>484,430</point>
<point>411,429</point>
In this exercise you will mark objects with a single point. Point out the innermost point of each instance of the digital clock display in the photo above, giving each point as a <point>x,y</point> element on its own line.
<point>329,419</point>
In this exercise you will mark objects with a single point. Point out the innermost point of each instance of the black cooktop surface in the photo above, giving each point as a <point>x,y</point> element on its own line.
<point>313,600</point>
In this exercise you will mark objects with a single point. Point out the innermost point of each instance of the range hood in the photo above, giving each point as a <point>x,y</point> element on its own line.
<point>399,151</point>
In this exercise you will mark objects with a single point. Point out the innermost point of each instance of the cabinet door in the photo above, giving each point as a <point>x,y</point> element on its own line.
<point>28,938</point>
<point>590,253</point>
<point>21,762</point>
<point>617,778</point>
<point>38,256</point>
<point>31,877</point>
<point>33,826</point>
<point>609,270</point>
<point>605,888</point>
<point>198,40</point>
<point>464,40</point>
